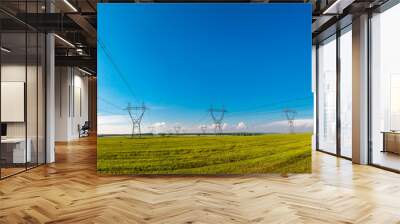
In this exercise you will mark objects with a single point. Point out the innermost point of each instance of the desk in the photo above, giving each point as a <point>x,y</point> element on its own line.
<point>391,142</point>
<point>13,150</point>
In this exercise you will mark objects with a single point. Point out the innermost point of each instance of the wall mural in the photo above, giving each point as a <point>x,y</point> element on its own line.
<point>204,88</point>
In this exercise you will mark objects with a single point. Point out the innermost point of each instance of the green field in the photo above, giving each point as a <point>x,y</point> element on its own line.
<point>270,153</point>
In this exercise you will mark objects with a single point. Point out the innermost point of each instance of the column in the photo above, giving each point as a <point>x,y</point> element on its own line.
<point>360,90</point>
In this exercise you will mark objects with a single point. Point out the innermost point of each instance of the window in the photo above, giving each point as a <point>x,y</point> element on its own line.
<point>385,89</point>
<point>346,92</point>
<point>327,95</point>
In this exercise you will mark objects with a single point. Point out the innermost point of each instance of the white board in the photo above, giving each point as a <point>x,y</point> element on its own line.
<point>12,101</point>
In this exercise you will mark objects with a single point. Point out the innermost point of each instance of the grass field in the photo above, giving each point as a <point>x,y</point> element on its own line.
<point>270,153</point>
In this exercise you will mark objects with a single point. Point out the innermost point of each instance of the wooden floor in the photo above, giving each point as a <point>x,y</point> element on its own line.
<point>70,191</point>
<point>5,172</point>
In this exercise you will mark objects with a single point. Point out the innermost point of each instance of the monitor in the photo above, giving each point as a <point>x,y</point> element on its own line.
<point>3,129</point>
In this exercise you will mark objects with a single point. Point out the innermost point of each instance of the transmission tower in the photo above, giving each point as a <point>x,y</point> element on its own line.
<point>290,116</point>
<point>217,119</point>
<point>136,114</point>
<point>177,129</point>
<point>203,128</point>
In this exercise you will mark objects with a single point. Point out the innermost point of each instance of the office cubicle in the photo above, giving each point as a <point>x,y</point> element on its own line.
<point>22,88</point>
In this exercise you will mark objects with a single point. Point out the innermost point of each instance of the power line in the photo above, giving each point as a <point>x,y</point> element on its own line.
<point>201,118</point>
<point>109,112</point>
<point>110,103</point>
<point>119,72</point>
<point>271,104</point>
<point>261,113</point>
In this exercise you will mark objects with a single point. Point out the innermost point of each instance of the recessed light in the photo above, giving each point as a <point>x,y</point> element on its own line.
<point>70,5</point>
<point>84,71</point>
<point>64,40</point>
<point>5,50</point>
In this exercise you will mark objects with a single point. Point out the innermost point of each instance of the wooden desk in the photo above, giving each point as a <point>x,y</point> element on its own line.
<point>391,142</point>
<point>13,150</point>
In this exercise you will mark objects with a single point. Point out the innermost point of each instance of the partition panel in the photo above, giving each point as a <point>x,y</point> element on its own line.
<point>14,153</point>
<point>22,61</point>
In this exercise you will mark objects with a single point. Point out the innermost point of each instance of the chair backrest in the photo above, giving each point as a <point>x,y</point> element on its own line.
<point>86,125</point>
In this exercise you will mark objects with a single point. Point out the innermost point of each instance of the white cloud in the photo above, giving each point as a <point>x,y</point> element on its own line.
<point>114,124</point>
<point>241,126</point>
<point>159,124</point>
<point>302,125</point>
<point>224,126</point>
<point>121,124</point>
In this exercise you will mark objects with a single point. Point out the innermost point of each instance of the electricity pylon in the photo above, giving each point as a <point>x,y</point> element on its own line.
<point>290,116</point>
<point>136,115</point>
<point>217,119</point>
<point>177,129</point>
<point>203,128</point>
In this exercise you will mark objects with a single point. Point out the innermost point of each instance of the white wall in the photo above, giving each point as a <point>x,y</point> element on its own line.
<point>17,73</point>
<point>62,82</point>
<point>10,73</point>
<point>33,126</point>
<point>71,102</point>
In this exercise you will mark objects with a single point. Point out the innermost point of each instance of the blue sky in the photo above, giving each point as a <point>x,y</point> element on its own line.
<point>179,59</point>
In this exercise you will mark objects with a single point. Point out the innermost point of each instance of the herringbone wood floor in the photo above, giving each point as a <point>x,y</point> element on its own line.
<point>70,191</point>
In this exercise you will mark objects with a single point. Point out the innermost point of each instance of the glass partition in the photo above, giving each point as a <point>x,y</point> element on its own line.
<point>327,95</point>
<point>14,155</point>
<point>385,89</point>
<point>346,92</point>
<point>23,91</point>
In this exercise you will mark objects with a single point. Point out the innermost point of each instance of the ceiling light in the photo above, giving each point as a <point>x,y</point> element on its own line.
<point>338,6</point>
<point>79,51</point>
<point>5,50</point>
<point>84,71</point>
<point>65,41</point>
<point>70,5</point>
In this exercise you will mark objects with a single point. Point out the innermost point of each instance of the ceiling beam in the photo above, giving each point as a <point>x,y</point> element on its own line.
<point>77,61</point>
<point>84,24</point>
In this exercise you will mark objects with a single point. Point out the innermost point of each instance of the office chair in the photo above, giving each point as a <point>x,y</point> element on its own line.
<point>84,130</point>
